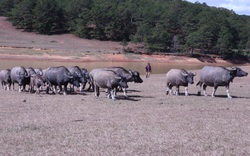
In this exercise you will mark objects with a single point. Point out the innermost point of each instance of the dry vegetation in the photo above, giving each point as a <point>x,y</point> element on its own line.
<point>146,123</point>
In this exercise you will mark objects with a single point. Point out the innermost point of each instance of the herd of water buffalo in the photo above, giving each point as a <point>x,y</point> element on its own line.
<point>111,78</point>
<point>57,79</point>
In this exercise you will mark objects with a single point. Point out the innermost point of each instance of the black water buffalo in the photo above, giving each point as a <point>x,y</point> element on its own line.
<point>5,79</point>
<point>78,75</point>
<point>218,76</point>
<point>178,77</point>
<point>30,72</point>
<point>36,82</point>
<point>19,75</point>
<point>107,79</point>
<point>59,76</point>
<point>130,76</point>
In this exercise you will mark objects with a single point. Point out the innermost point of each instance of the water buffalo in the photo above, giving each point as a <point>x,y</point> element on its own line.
<point>131,76</point>
<point>178,77</point>
<point>5,79</point>
<point>30,72</point>
<point>218,76</point>
<point>107,79</point>
<point>59,76</point>
<point>86,75</point>
<point>39,71</point>
<point>36,82</point>
<point>78,75</point>
<point>19,75</point>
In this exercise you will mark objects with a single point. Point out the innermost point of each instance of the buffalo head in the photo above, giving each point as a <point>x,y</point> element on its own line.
<point>237,72</point>
<point>189,77</point>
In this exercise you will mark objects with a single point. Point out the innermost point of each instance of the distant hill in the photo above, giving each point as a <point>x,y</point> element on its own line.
<point>166,26</point>
<point>12,37</point>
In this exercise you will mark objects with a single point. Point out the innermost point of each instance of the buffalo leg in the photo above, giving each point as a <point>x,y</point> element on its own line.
<point>97,91</point>
<point>109,94</point>
<point>3,85</point>
<point>227,90</point>
<point>89,89</point>
<point>91,85</point>
<point>60,89</point>
<point>124,92</point>
<point>65,89</point>
<point>31,89</point>
<point>112,92</point>
<point>82,86</point>
<point>8,86</point>
<point>115,91</point>
<point>20,88</point>
<point>13,86</point>
<point>204,89</point>
<point>169,89</point>
<point>199,91</point>
<point>24,88</point>
<point>37,90</point>
<point>214,90</point>
<point>177,90</point>
<point>54,88</point>
<point>186,91</point>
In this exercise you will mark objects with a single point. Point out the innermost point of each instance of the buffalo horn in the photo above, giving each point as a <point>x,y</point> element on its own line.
<point>184,74</point>
<point>233,68</point>
<point>117,77</point>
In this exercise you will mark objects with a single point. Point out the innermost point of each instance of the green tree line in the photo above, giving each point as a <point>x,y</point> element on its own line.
<point>160,25</point>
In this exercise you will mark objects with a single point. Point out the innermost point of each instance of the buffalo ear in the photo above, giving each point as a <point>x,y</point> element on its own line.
<point>233,72</point>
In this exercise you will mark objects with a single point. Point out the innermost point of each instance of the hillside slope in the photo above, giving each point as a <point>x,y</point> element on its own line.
<point>16,44</point>
<point>11,37</point>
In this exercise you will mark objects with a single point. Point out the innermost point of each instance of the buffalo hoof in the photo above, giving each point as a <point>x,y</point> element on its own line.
<point>167,92</point>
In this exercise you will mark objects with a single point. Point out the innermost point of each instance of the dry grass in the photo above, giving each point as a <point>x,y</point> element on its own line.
<point>148,123</point>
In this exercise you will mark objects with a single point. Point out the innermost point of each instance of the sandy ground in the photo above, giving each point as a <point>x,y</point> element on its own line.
<point>146,123</point>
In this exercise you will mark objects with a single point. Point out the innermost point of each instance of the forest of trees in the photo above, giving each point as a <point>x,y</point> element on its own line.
<point>174,26</point>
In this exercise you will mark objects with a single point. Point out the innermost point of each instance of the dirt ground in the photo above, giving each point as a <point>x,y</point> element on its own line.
<point>147,123</point>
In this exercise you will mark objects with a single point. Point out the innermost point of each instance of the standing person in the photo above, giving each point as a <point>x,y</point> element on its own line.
<point>148,70</point>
